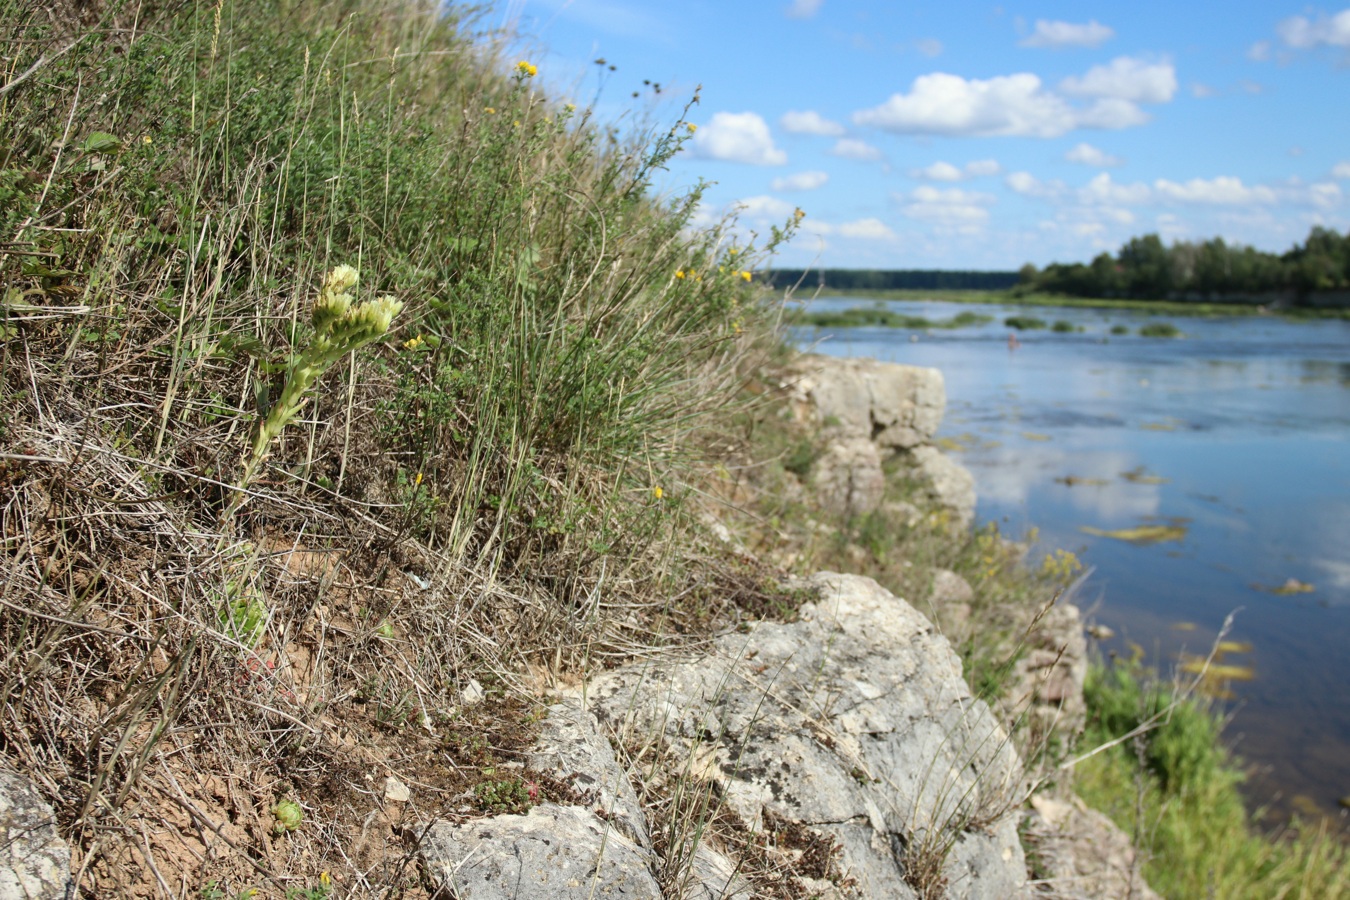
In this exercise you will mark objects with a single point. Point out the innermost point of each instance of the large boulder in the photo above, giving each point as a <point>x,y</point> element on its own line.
<point>896,406</point>
<point>848,477</point>
<point>949,484</point>
<point>34,860</point>
<point>853,722</point>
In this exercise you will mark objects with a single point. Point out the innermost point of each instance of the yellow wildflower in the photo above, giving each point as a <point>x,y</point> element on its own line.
<point>413,343</point>
<point>417,482</point>
<point>692,127</point>
<point>325,880</point>
<point>570,107</point>
<point>147,139</point>
<point>679,274</point>
<point>798,213</point>
<point>657,492</point>
<point>490,110</point>
<point>745,276</point>
<point>529,70</point>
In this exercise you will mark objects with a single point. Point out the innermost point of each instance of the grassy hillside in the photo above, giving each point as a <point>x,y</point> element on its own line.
<point>265,529</point>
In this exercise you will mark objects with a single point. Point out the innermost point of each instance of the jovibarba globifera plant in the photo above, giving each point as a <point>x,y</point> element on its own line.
<point>340,327</point>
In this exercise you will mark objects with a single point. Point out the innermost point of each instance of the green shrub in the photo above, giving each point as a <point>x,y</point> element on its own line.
<point>1024,323</point>
<point>1160,329</point>
<point>1120,329</point>
<point>1062,326</point>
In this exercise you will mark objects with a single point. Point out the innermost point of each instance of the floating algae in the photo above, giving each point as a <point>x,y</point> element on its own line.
<point>1158,426</point>
<point>1035,436</point>
<point>1291,586</point>
<point>1184,626</point>
<point>1139,475</point>
<point>1233,647</point>
<point>1072,480</point>
<point>1141,534</point>
<point>1195,665</point>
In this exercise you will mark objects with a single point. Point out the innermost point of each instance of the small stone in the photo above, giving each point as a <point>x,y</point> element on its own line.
<point>472,693</point>
<point>396,791</point>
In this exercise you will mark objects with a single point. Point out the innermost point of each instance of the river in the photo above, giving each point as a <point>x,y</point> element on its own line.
<point>1230,445</point>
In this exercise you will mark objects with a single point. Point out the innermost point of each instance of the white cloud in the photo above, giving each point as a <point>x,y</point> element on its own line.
<point>929,47</point>
<point>1102,191</point>
<point>1019,105</point>
<point>1303,33</point>
<point>809,122</point>
<point>1029,185</point>
<point>1068,34</point>
<point>1259,52</point>
<point>801,181</point>
<point>738,137</point>
<point>803,9</point>
<point>953,208</point>
<point>1202,91</point>
<point>870,229</point>
<point>1125,78</point>
<point>938,171</point>
<point>763,207</point>
<point>852,148</point>
<point>982,168</point>
<point>1325,194</point>
<point>1088,155</point>
<point>945,171</point>
<point>1341,169</point>
<point>1221,191</point>
<point>940,103</point>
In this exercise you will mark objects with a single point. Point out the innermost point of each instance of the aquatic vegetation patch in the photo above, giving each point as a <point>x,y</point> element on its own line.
<point>1139,475</point>
<point>1160,329</point>
<point>1074,480</point>
<point>1290,587</point>
<point>1142,534</point>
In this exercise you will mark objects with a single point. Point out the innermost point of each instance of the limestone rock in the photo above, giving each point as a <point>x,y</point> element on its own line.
<point>848,477</point>
<point>1085,855</point>
<point>895,406</point>
<point>34,860</point>
<point>571,749</point>
<point>551,853</point>
<point>1047,682</point>
<point>949,483</point>
<point>854,721</point>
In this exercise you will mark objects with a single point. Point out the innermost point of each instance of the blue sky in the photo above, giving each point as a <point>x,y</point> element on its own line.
<point>977,135</point>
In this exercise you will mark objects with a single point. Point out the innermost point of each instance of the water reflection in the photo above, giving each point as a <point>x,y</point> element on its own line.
<point>1241,429</point>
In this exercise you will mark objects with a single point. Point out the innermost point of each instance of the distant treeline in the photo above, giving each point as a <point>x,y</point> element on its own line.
<point>894,279</point>
<point>1314,272</point>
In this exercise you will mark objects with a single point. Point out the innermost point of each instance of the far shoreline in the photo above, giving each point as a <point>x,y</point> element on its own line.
<point>1158,307</point>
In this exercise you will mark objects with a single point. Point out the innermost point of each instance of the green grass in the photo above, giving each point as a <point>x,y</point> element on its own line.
<point>876,316</point>
<point>1175,790</point>
<point>176,182</point>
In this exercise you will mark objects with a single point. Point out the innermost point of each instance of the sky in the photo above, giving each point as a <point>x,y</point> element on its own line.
<point>967,135</point>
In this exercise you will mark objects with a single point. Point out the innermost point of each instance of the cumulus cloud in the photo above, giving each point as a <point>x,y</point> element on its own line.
<point>803,9</point>
<point>871,229</point>
<point>945,104</point>
<point>945,171</point>
<point>1202,91</point>
<point>1103,191</point>
<point>1341,169</point>
<point>1125,78</point>
<point>1259,52</point>
<point>1221,191</point>
<point>938,171</point>
<point>763,207</point>
<point>738,137</point>
<point>1303,33</point>
<point>951,207</point>
<point>1056,34</point>
<point>1020,105</point>
<point>1088,155</point>
<point>852,148</point>
<point>1029,185</point>
<point>800,181</point>
<point>809,122</point>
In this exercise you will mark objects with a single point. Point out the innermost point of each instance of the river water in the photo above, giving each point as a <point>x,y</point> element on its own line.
<point>1235,438</point>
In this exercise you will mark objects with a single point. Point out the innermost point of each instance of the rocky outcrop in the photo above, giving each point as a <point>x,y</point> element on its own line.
<point>867,412</point>
<point>851,725</point>
<point>1083,854</point>
<point>34,861</point>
